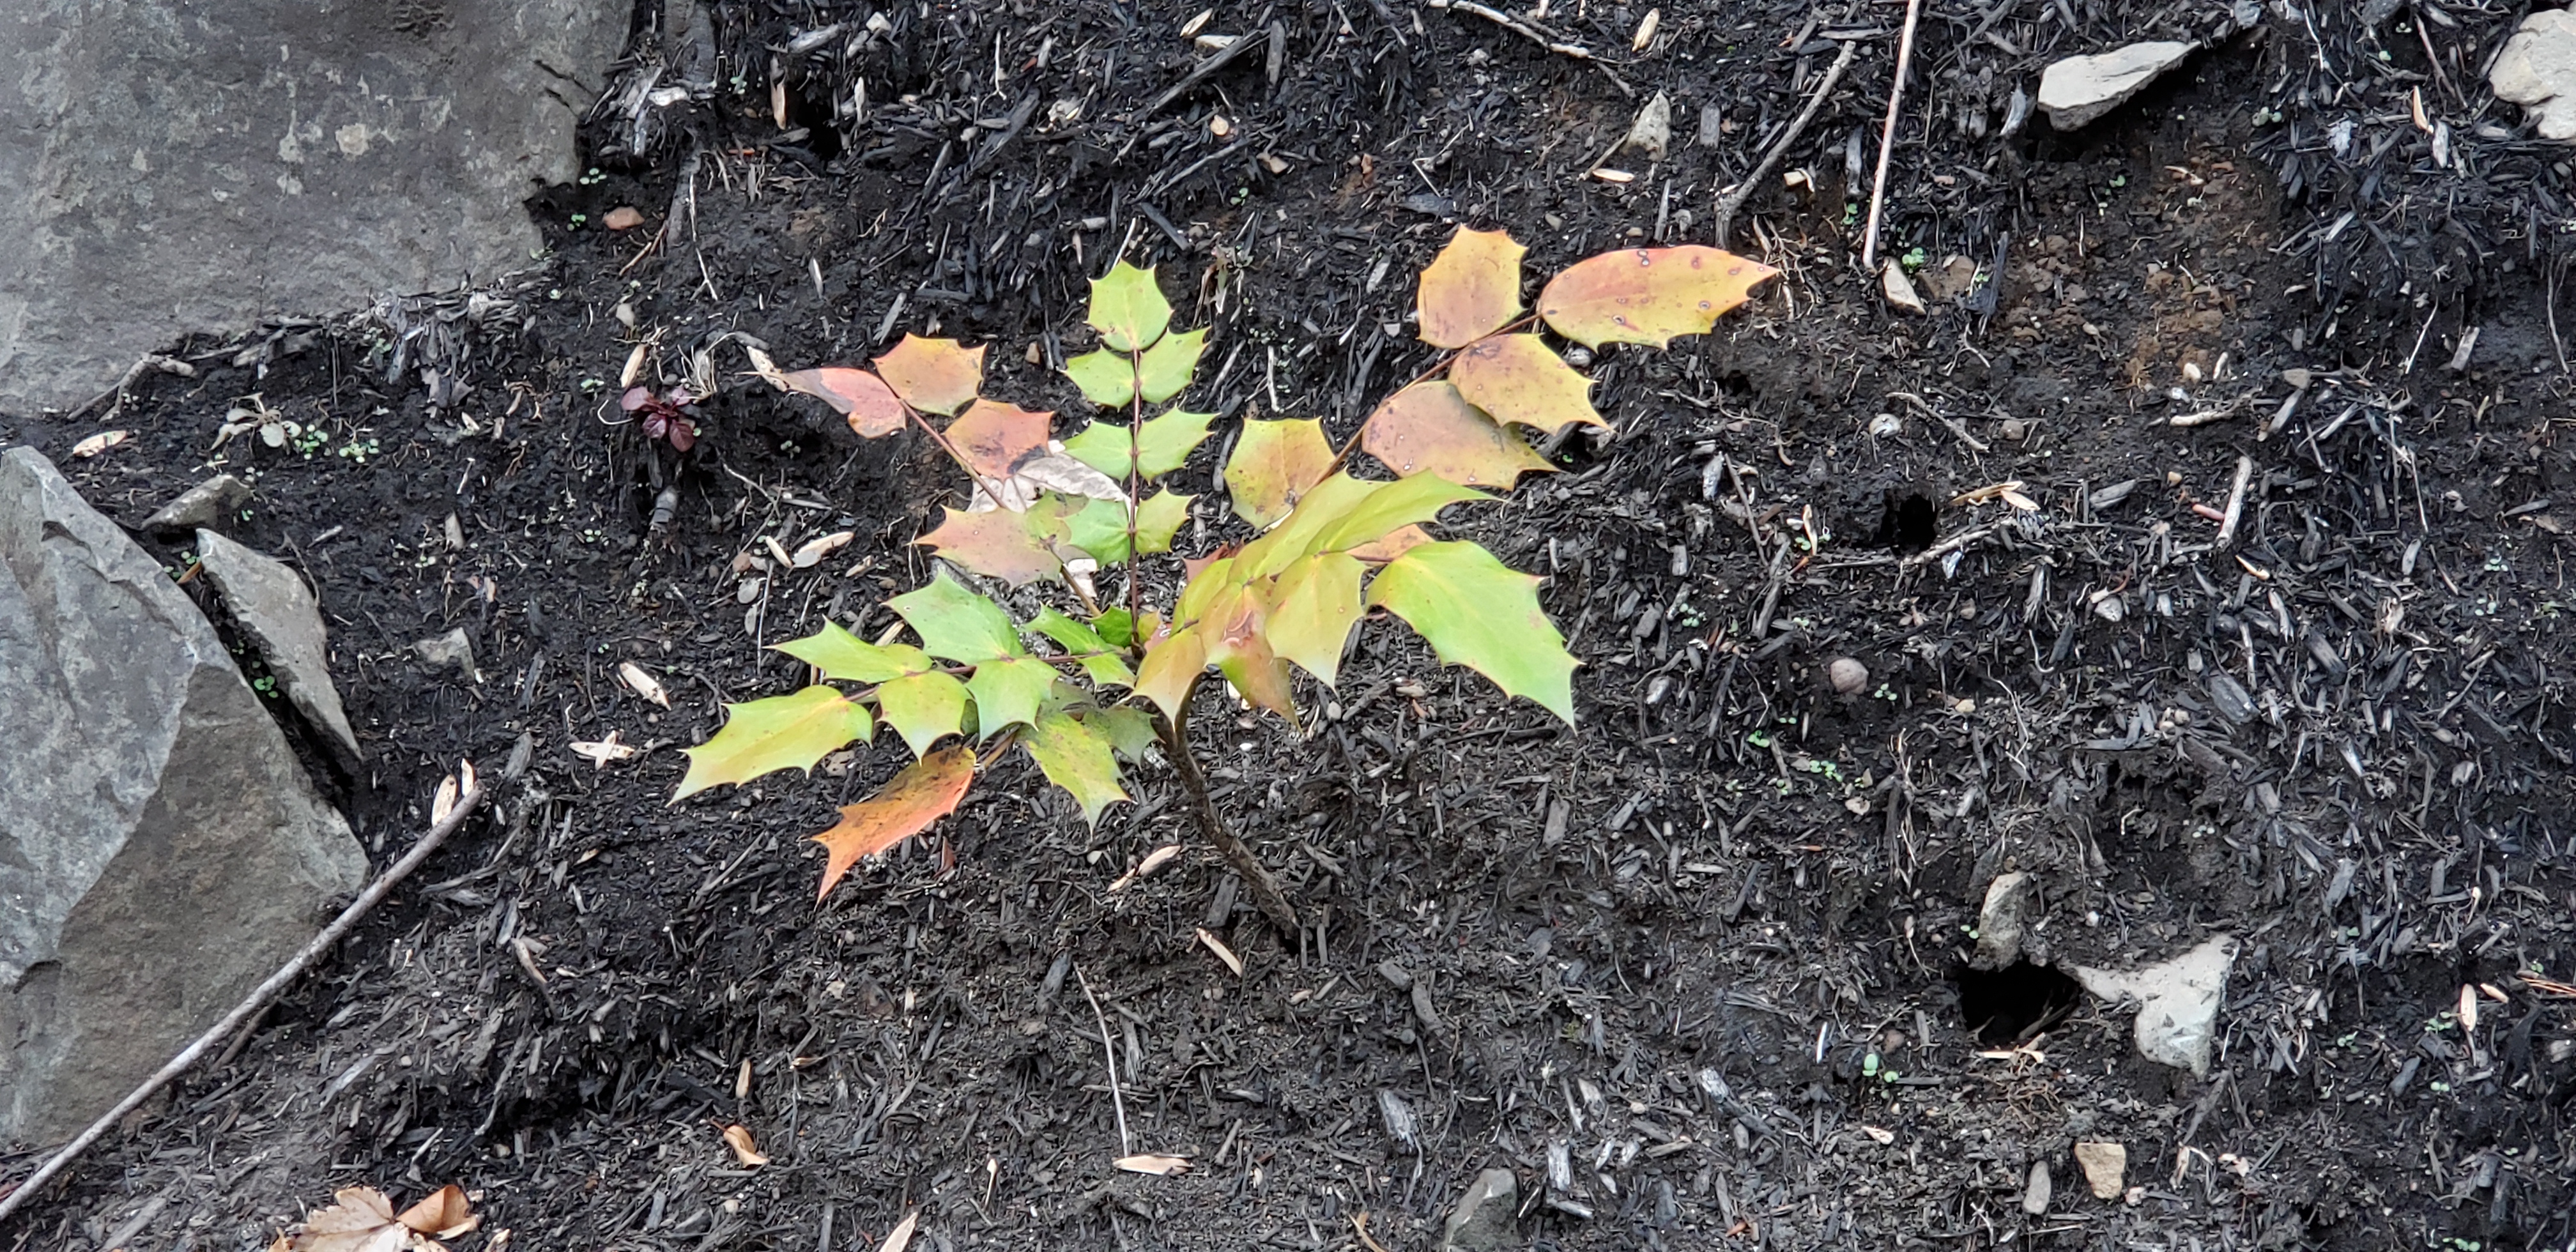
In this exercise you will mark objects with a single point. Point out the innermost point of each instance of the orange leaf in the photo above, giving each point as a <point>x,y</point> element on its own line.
<point>862,397</point>
<point>1016,547</point>
<point>739,1139</point>
<point>1471,289</point>
<point>1275,463</point>
<point>995,437</point>
<point>933,375</point>
<point>1428,428</point>
<point>926,790</point>
<point>1238,642</point>
<point>1518,379</point>
<point>1648,295</point>
<point>1403,540</point>
<point>440,1212</point>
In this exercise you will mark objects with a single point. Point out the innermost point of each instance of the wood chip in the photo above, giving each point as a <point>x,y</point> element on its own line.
<point>623,217</point>
<point>100,442</point>
<point>811,553</point>
<point>1150,1163</point>
<point>643,683</point>
<point>1223,953</point>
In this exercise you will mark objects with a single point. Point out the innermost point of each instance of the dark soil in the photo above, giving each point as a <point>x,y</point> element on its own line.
<point>1693,970</point>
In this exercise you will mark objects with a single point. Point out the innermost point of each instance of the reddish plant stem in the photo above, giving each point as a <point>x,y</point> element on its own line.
<point>1266,894</point>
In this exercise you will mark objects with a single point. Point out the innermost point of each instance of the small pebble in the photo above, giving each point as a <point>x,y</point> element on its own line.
<point>1847,675</point>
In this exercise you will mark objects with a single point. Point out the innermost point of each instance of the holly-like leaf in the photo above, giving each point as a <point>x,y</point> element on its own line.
<point>781,732</point>
<point>1476,612</point>
<point>1274,463</point>
<point>933,375</point>
<point>1428,428</point>
<point>1107,378</point>
<point>1116,626</point>
<point>1313,606</point>
<point>1648,295</point>
<point>1095,654</point>
<point>1238,644</point>
<point>920,794</point>
<point>955,624</point>
<point>1472,289</point>
<point>1171,668</point>
<point>1397,542</point>
<point>923,708</point>
<point>1158,519</point>
<point>1100,528</point>
<point>1008,691</point>
<point>1077,758</point>
<point>1400,503</point>
<point>1128,309</point>
<point>994,438</point>
<point>1017,547</point>
<point>1163,444</point>
<point>862,397</point>
<point>1164,370</point>
<point>1130,730</point>
<point>848,658</point>
<point>1517,378</point>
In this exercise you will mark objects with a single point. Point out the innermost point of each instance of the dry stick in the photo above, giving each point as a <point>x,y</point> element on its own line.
<point>257,1000</point>
<point>1887,135</point>
<point>1109,1052</point>
<point>1780,147</point>
<point>1536,36</point>
<point>2235,503</point>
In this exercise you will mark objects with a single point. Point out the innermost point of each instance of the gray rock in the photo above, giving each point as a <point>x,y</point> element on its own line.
<point>1899,290</point>
<point>178,167</point>
<point>160,850</point>
<point>2011,902</point>
<point>453,648</point>
<point>2537,70</point>
<point>2036,1193</point>
<point>2177,1002</point>
<point>283,619</point>
<point>209,503</point>
<point>2077,90</point>
<point>1482,1220</point>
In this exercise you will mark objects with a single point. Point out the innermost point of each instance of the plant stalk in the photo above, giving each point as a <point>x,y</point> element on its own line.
<point>1247,863</point>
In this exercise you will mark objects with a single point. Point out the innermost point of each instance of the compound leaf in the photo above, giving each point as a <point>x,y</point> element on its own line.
<point>848,658</point>
<point>933,375</point>
<point>1476,612</point>
<point>1098,658</point>
<point>994,437</point>
<point>862,397</point>
<point>1274,463</point>
<point>1517,378</point>
<point>920,794</point>
<point>1163,444</point>
<point>781,732</point>
<point>955,624</point>
<point>1164,370</point>
<point>923,708</point>
<point>1107,378</point>
<point>1016,547</point>
<point>1077,758</point>
<point>1313,606</point>
<point>1128,308</point>
<point>1648,295</point>
<point>1428,428</point>
<point>1171,669</point>
<point>1471,290</point>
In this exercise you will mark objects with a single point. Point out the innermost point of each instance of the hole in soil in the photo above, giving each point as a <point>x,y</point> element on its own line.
<point>1909,523</point>
<point>816,117</point>
<point>2012,1004</point>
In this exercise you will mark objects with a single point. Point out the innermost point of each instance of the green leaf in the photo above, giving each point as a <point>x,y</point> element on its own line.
<point>1100,527</point>
<point>1095,654</point>
<point>1130,729</point>
<point>1164,370</point>
<point>782,732</point>
<point>1273,465</point>
<point>1106,378</point>
<point>1312,609</point>
<point>956,624</point>
<point>1128,309</point>
<point>1158,519</point>
<point>1008,691</point>
<point>1117,626</point>
<point>1163,444</point>
<point>1077,758</point>
<point>1401,503</point>
<point>1321,509</point>
<point>848,658</point>
<point>923,708</point>
<point>1476,612</point>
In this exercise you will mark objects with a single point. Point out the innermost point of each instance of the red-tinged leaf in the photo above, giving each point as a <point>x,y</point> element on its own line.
<point>933,375</point>
<point>1313,606</point>
<point>924,792</point>
<point>1193,566</point>
<point>1517,378</point>
<point>1237,630</point>
<point>1171,669</point>
<point>995,437</point>
<point>1274,463</point>
<point>871,405</point>
<point>1018,548</point>
<point>782,732</point>
<point>1472,289</point>
<point>1402,540</point>
<point>1648,295</point>
<point>1428,428</point>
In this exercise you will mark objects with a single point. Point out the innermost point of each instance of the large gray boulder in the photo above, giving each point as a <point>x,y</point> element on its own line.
<point>161,851</point>
<point>175,166</point>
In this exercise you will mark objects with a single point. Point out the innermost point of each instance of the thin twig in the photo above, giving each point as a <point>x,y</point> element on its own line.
<point>1539,37</point>
<point>2235,502</point>
<point>1734,199</point>
<point>252,1004</point>
<point>1887,134</point>
<point>1109,1052</point>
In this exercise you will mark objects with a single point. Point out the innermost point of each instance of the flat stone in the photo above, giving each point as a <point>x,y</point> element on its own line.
<point>180,167</point>
<point>284,621</point>
<point>208,504</point>
<point>2077,90</point>
<point>161,851</point>
<point>2012,900</point>
<point>2177,1002</point>
<point>2537,70</point>
<point>1899,290</point>
<point>1482,1220</point>
<point>2106,1168</point>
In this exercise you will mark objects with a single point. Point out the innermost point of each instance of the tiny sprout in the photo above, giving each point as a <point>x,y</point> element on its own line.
<point>1915,258</point>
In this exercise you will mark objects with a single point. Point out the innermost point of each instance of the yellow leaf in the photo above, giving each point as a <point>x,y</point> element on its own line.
<point>933,375</point>
<point>1648,295</point>
<point>782,732</point>
<point>1471,290</point>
